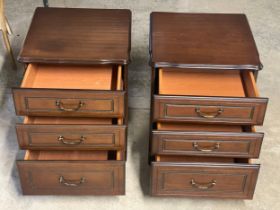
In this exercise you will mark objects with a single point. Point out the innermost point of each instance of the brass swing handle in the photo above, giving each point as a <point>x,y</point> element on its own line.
<point>61,106</point>
<point>71,183</point>
<point>203,186</point>
<point>216,146</point>
<point>71,141</point>
<point>209,114</point>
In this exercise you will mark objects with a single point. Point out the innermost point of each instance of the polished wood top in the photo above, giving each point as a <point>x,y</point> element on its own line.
<point>217,41</point>
<point>78,36</point>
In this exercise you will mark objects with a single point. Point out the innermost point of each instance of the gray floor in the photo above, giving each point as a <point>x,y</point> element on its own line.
<point>264,17</point>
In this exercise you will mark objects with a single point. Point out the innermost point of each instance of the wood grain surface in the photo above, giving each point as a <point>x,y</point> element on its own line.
<point>78,36</point>
<point>211,41</point>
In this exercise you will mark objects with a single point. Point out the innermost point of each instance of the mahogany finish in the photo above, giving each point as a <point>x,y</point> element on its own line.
<point>78,36</point>
<point>83,103</point>
<point>71,137</point>
<point>204,101</point>
<point>190,107</point>
<point>214,180</point>
<point>211,41</point>
<point>185,109</point>
<point>205,143</point>
<point>74,99</point>
<point>72,177</point>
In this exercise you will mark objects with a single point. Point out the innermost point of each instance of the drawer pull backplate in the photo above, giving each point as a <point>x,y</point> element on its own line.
<point>209,114</point>
<point>71,183</point>
<point>203,186</point>
<point>71,141</point>
<point>215,147</point>
<point>61,106</point>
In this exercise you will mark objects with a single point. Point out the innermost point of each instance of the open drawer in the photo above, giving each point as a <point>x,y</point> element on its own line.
<point>71,173</point>
<point>63,90</point>
<point>55,133</point>
<point>204,177</point>
<point>206,140</point>
<point>208,96</point>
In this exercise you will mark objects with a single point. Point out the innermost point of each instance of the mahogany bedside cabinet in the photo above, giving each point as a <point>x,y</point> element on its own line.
<point>74,101</point>
<point>204,106</point>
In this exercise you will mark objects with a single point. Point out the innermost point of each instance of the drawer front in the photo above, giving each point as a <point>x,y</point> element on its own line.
<point>72,177</point>
<point>57,102</point>
<point>210,109</point>
<point>218,144</point>
<point>71,137</point>
<point>204,180</point>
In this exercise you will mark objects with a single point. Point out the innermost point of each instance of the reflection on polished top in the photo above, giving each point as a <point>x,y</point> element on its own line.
<point>217,41</point>
<point>83,36</point>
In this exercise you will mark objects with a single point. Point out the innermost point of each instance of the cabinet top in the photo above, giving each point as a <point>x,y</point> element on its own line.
<point>78,36</point>
<point>212,41</point>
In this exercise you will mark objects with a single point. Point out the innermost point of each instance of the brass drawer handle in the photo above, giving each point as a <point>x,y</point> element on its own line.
<point>71,183</point>
<point>71,141</point>
<point>62,107</point>
<point>203,186</point>
<point>216,146</point>
<point>209,114</point>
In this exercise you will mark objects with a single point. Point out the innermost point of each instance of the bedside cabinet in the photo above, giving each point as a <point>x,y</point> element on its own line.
<point>204,106</point>
<point>74,101</point>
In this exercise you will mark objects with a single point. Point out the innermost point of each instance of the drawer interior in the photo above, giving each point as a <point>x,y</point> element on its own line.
<point>233,83</point>
<point>203,127</point>
<point>199,127</point>
<point>190,159</point>
<point>67,120</point>
<point>98,77</point>
<point>70,155</point>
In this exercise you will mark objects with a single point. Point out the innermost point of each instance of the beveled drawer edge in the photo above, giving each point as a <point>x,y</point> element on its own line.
<point>118,95</point>
<point>251,186</point>
<point>210,133</point>
<point>21,128</point>
<point>255,140</point>
<point>161,101</point>
<point>118,189</point>
<point>199,164</point>
<point>210,67</point>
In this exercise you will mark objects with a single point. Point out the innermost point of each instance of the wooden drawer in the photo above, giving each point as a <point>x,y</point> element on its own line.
<point>49,133</point>
<point>85,91</point>
<point>81,176</point>
<point>229,97</point>
<point>207,140</point>
<point>204,179</point>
